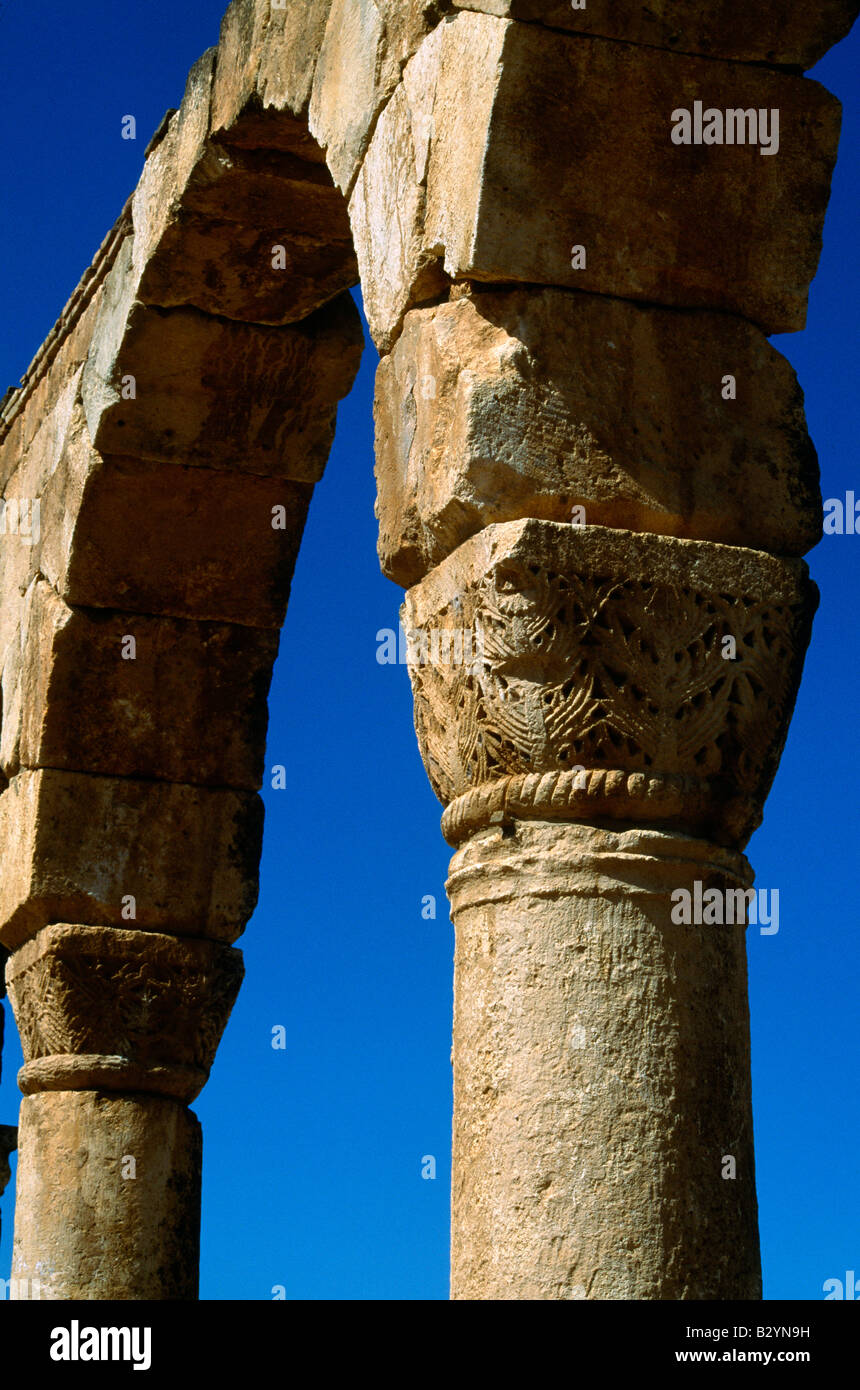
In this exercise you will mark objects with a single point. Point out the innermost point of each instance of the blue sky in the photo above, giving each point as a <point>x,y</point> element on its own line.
<point>313,1154</point>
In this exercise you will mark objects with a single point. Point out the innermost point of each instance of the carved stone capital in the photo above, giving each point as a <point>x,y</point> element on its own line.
<point>606,675</point>
<point>100,1008</point>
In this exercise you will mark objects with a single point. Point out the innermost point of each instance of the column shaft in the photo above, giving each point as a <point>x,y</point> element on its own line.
<point>601,1071</point>
<point>108,1197</point>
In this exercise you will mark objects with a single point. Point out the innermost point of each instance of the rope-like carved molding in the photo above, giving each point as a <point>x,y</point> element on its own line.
<point>607,675</point>
<point>610,793</point>
<point>94,1072</point>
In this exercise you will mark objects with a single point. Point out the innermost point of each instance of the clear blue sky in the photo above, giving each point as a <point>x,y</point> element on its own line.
<point>313,1154</point>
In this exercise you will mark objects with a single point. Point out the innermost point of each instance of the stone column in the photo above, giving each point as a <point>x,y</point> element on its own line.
<point>601,754</point>
<point>119,1029</point>
<point>167,440</point>
<point>598,505</point>
<point>589,1155</point>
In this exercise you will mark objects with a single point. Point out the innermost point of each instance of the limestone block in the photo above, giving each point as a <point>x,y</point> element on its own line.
<point>260,236</point>
<point>32,446</point>
<point>186,703</point>
<point>220,394</point>
<point>19,559</point>
<point>780,32</point>
<point>566,141</point>
<point>529,403</point>
<point>228,268</point>
<point>209,218</point>
<point>98,1007</point>
<point>169,163</point>
<point>11,447</point>
<point>42,457</point>
<point>346,97</point>
<point>40,483</point>
<point>268,188</point>
<point>365,46</point>
<point>74,846</point>
<point>387,213</point>
<point>264,74</point>
<point>184,542</point>
<point>47,394</point>
<point>158,538</point>
<point>604,674</point>
<point>579,152</point>
<point>84,1229</point>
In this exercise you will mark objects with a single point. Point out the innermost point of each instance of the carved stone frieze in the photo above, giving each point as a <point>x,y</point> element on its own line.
<point>607,674</point>
<point>99,1008</point>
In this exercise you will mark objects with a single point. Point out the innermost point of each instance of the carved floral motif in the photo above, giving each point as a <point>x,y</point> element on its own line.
<point>625,687</point>
<point>99,1006</point>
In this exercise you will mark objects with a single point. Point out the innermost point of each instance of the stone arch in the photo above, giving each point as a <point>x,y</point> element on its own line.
<point>165,443</point>
<point>168,435</point>
<point>187,399</point>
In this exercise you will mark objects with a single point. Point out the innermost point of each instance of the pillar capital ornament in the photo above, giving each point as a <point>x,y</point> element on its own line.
<point>99,1008</point>
<point>608,675</point>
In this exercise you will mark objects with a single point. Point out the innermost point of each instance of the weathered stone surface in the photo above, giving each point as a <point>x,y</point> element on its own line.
<point>601,1071</point>
<point>39,472</point>
<point>43,404</point>
<point>387,208</point>
<point>25,409</point>
<point>73,847</point>
<point>220,394</point>
<point>227,268</point>
<point>170,163</point>
<point>18,565</point>
<point>780,32</point>
<point>85,1228</point>
<point>100,1008</point>
<point>706,226</point>
<point>346,94</point>
<point>218,556</point>
<point>490,408</point>
<point>566,141</point>
<point>266,188</point>
<point>264,75</point>
<point>187,704</point>
<point>598,682</point>
<point>208,218</point>
<point>365,46</point>
<point>258,235</point>
<point>148,537</point>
